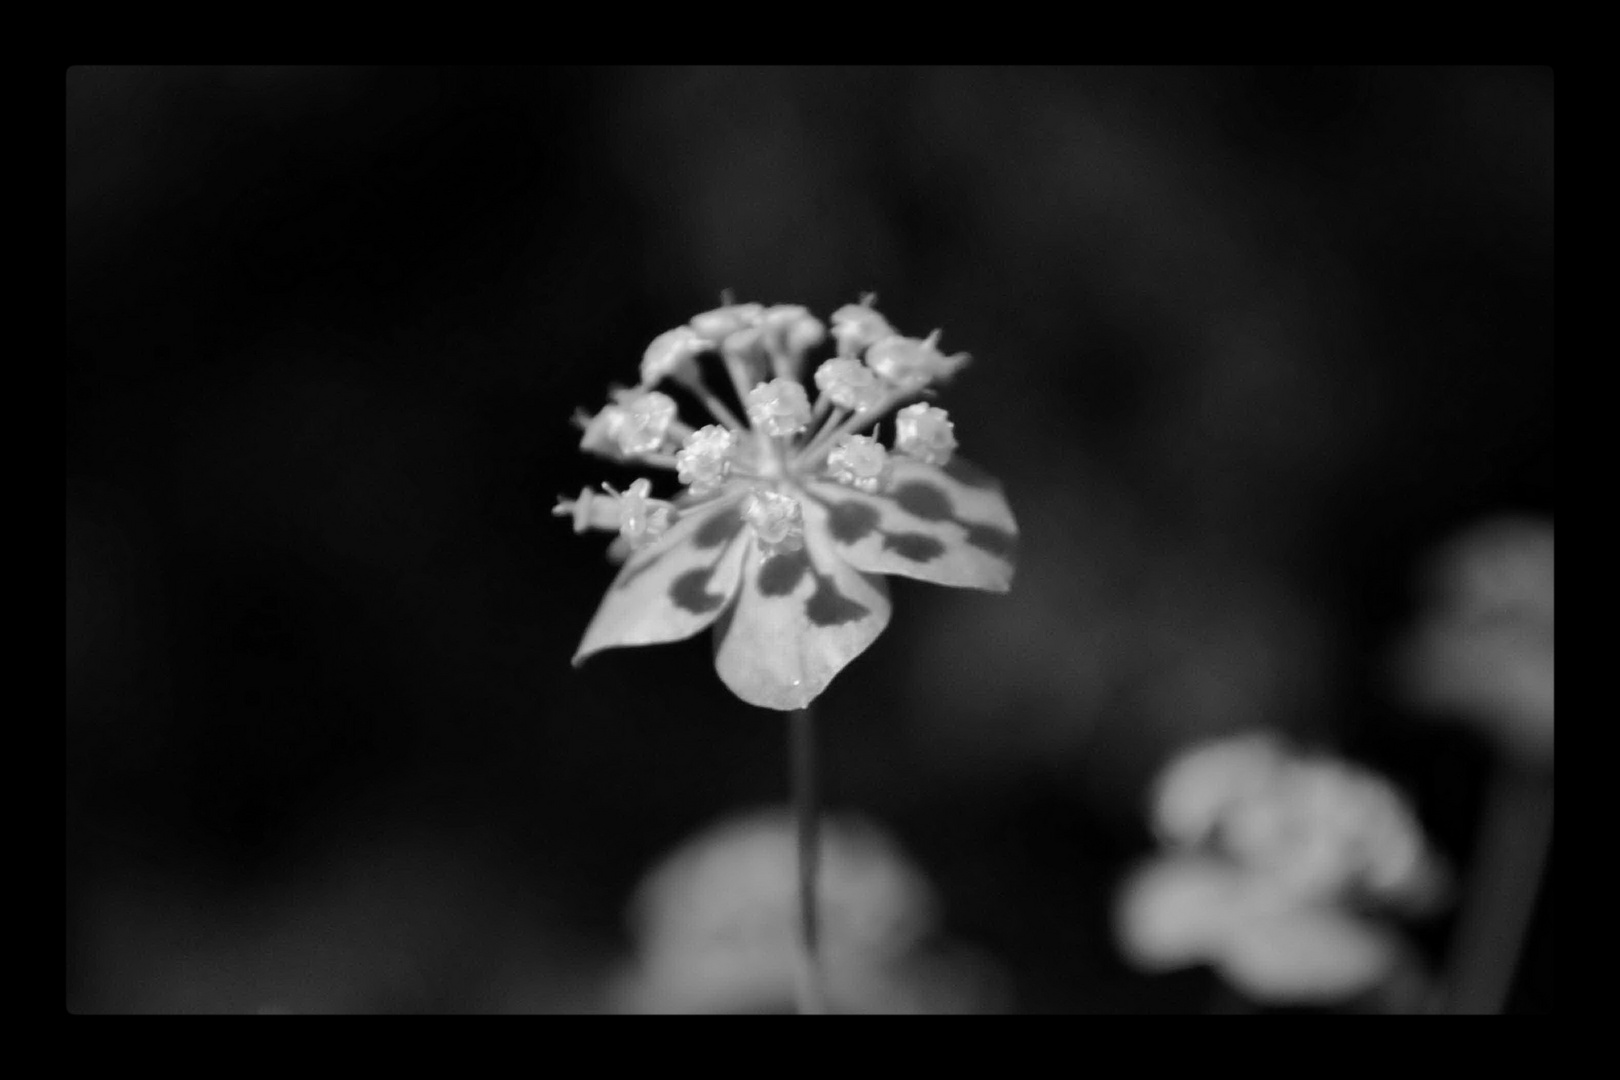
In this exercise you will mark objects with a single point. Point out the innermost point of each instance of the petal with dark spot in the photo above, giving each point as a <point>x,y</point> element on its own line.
<point>665,591</point>
<point>779,649</point>
<point>928,525</point>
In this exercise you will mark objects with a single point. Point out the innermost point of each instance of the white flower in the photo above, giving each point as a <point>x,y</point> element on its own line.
<point>1272,863</point>
<point>777,521</point>
<point>645,422</point>
<point>856,326</point>
<point>849,384</point>
<point>672,354</point>
<point>638,518</point>
<point>716,923</point>
<point>909,364</point>
<point>704,459</point>
<point>717,325</point>
<point>925,433</point>
<point>642,519</point>
<point>779,407</point>
<point>785,530</point>
<point>859,461</point>
<point>1483,651</point>
<point>790,329</point>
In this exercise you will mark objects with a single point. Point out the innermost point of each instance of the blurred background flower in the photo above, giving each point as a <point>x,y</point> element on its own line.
<point>1482,649</point>
<point>1275,870</point>
<point>716,927</point>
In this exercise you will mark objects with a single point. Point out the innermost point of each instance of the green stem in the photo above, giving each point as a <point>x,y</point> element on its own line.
<point>1502,889</point>
<point>810,994</point>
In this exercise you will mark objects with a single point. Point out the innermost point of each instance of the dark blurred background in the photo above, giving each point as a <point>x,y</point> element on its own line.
<point>1247,344</point>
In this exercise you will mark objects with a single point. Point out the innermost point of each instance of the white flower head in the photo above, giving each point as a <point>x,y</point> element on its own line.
<point>925,433</point>
<point>779,407</point>
<point>859,461</point>
<point>704,459</point>
<point>775,477</point>
<point>849,384</point>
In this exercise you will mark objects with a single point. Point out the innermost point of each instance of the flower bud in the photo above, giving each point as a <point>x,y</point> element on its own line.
<point>910,364</point>
<point>925,433</point>
<point>704,459</point>
<point>859,461</point>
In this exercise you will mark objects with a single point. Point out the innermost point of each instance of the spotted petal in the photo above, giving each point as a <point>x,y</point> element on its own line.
<point>946,525</point>
<point>676,586</point>
<point>799,618</point>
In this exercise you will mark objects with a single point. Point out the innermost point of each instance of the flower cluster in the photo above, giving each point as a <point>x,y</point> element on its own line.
<point>789,514</point>
<point>1270,862</point>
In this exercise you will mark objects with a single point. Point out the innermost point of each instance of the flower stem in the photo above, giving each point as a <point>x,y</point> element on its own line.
<point>808,989</point>
<point>1502,892</point>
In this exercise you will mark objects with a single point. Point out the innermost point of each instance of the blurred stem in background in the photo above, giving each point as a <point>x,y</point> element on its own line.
<point>1502,889</point>
<point>806,812</point>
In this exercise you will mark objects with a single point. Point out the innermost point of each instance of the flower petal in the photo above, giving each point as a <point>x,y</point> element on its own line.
<point>1174,911</point>
<point>799,618</point>
<point>1265,940</point>
<point>1307,955</point>
<point>947,525</point>
<point>674,587</point>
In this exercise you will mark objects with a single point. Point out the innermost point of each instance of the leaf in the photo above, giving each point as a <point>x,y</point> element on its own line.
<point>799,618</point>
<point>675,587</point>
<point>948,526</point>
